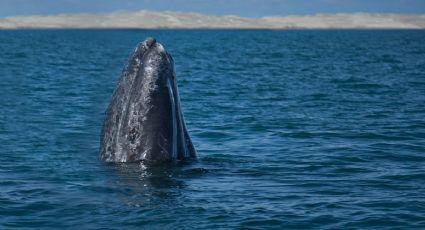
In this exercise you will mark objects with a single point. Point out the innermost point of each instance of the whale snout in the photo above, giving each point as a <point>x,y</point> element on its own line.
<point>150,45</point>
<point>149,42</point>
<point>146,46</point>
<point>155,57</point>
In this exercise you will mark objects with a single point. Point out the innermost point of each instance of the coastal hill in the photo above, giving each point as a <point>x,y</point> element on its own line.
<point>169,19</point>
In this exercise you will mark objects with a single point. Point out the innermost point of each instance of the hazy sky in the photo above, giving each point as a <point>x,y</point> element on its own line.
<point>251,8</point>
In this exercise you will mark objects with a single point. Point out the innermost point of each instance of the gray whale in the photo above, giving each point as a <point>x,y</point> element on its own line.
<point>144,121</point>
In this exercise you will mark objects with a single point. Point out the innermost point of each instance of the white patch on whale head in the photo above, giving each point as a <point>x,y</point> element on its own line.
<point>161,48</point>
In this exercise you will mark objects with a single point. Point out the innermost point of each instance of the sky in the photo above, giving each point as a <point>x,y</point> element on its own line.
<point>247,8</point>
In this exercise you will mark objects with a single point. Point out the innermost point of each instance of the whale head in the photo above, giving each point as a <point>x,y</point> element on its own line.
<point>144,121</point>
<point>153,62</point>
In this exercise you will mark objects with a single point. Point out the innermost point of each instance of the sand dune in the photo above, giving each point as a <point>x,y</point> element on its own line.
<point>168,19</point>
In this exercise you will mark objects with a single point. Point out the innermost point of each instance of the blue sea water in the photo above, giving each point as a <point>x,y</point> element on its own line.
<point>294,129</point>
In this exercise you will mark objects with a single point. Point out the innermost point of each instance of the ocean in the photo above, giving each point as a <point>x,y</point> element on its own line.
<point>294,129</point>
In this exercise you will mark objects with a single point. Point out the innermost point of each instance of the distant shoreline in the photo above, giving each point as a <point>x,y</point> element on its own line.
<point>179,20</point>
